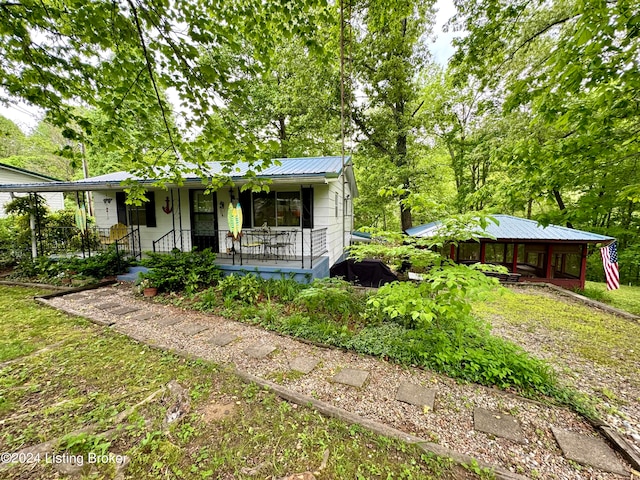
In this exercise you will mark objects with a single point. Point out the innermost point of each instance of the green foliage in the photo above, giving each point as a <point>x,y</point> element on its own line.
<point>179,271</point>
<point>148,53</point>
<point>283,289</point>
<point>53,270</point>
<point>245,288</point>
<point>330,296</point>
<point>208,300</point>
<point>84,443</point>
<point>405,303</point>
<point>626,298</point>
<point>11,250</point>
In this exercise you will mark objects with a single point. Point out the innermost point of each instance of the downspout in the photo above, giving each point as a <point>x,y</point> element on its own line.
<point>32,226</point>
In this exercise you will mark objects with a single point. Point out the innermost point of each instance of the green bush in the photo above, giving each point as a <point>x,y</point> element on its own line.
<point>332,297</point>
<point>11,250</point>
<point>284,289</point>
<point>181,271</point>
<point>245,288</point>
<point>53,270</point>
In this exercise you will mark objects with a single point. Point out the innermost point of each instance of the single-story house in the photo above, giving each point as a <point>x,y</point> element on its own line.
<point>551,254</point>
<point>301,226</point>
<point>19,176</point>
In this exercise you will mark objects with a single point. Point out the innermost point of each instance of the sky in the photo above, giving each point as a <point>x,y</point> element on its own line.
<point>27,117</point>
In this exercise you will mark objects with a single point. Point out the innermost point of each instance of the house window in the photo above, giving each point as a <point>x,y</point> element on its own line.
<point>144,214</point>
<point>277,209</point>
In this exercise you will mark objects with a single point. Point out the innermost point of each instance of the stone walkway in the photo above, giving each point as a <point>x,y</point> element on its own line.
<point>515,435</point>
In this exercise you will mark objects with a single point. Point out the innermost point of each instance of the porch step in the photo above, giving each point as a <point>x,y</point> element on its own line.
<point>132,274</point>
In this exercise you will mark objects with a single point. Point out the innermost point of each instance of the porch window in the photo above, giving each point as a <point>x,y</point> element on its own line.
<point>277,209</point>
<point>469,252</point>
<point>144,214</point>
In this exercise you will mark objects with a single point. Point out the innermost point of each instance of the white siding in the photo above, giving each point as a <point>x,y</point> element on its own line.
<point>324,213</point>
<point>54,200</point>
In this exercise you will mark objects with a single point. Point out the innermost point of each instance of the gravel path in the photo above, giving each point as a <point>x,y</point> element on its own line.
<point>449,424</point>
<point>622,406</point>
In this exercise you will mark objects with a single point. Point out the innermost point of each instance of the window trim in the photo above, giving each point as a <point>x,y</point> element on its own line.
<point>275,206</point>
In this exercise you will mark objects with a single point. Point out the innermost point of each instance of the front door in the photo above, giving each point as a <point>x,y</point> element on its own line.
<point>204,221</point>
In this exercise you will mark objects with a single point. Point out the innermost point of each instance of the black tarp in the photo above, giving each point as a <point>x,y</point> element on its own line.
<point>368,273</point>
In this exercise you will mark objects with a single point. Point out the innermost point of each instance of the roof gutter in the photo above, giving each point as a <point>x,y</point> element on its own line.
<point>79,186</point>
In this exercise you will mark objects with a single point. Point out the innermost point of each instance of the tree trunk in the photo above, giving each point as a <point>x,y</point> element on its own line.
<point>561,205</point>
<point>282,135</point>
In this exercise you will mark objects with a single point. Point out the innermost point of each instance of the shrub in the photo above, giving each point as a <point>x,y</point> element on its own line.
<point>52,270</point>
<point>11,250</point>
<point>245,288</point>
<point>180,271</point>
<point>208,300</point>
<point>330,296</point>
<point>284,289</point>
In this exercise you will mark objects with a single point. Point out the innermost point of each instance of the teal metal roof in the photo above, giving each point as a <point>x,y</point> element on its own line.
<point>515,228</point>
<point>282,168</point>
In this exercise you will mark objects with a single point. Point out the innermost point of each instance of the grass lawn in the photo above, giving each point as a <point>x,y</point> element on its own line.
<point>596,336</point>
<point>626,298</point>
<point>233,430</point>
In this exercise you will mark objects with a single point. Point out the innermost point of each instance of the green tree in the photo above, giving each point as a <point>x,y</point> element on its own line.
<point>388,51</point>
<point>294,104</point>
<point>100,53</point>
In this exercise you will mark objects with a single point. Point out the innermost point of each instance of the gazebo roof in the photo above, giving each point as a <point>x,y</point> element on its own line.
<point>520,229</point>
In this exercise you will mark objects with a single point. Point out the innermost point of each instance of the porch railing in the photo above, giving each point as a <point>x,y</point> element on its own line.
<point>252,247</point>
<point>72,241</point>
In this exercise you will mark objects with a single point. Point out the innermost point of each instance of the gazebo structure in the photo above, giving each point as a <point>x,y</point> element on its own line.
<point>551,254</point>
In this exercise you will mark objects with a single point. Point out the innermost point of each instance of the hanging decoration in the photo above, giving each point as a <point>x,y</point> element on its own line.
<point>81,218</point>
<point>167,208</point>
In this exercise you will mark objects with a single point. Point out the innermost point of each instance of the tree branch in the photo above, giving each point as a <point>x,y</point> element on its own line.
<point>363,128</point>
<point>153,80</point>
<point>536,35</point>
<point>418,108</point>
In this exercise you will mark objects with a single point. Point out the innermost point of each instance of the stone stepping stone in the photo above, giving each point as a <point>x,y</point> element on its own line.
<point>416,395</point>
<point>192,328</point>
<point>588,450</point>
<point>107,305</point>
<point>124,310</point>
<point>351,377</point>
<point>498,424</point>
<point>101,293</point>
<point>76,296</point>
<point>144,316</point>
<point>303,364</point>
<point>167,321</point>
<point>224,339</point>
<point>260,351</point>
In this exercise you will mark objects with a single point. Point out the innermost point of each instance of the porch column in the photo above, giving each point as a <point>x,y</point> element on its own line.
<point>583,266</point>
<point>515,258</point>
<point>548,271</point>
<point>483,251</point>
<point>452,252</point>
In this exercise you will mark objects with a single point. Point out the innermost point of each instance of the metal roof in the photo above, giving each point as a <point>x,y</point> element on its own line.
<point>306,168</point>
<point>515,228</point>
<point>28,172</point>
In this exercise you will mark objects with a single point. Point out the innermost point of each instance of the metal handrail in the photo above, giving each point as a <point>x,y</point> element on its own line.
<point>163,239</point>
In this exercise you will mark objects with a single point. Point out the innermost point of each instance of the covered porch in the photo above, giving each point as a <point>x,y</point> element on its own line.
<point>264,247</point>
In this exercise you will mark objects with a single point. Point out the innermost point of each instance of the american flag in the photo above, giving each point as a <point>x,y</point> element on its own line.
<point>609,256</point>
